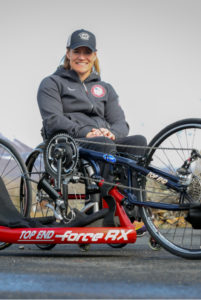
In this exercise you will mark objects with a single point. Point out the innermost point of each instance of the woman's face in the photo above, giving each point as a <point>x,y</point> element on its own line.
<point>81,61</point>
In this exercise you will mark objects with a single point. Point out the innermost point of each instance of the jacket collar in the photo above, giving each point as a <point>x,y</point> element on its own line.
<point>72,75</point>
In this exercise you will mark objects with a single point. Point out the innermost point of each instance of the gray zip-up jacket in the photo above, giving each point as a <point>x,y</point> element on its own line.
<point>68,104</point>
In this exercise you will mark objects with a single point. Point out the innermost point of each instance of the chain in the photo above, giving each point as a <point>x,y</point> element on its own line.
<point>133,146</point>
<point>121,186</point>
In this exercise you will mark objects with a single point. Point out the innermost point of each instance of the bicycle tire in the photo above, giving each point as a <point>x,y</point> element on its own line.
<point>45,246</point>
<point>36,170</point>
<point>14,175</point>
<point>170,229</point>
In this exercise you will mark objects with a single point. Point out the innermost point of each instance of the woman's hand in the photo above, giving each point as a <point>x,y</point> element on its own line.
<point>93,133</point>
<point>107,133</point>
<point>100,132</point>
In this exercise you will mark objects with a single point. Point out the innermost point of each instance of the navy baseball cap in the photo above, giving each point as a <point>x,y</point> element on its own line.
<point>82,38</point>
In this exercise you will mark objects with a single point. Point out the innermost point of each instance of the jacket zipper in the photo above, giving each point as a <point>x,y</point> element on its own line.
<point>85,88</point>
<point>86,91</point>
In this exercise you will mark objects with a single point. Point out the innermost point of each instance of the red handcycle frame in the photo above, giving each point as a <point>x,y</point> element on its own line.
<point>124,234</point>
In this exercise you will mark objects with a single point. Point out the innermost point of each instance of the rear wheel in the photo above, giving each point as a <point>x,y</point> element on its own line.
<point>170,228</point>
<point>13,172</point>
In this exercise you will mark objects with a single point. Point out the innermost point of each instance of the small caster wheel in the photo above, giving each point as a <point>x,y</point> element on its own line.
<point>45,246</point>
<point>117,245</point>
<point>153,244</point>
<point>84,247</point>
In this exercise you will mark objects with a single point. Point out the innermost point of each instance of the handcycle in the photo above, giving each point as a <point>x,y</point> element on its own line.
<point>168,193</point>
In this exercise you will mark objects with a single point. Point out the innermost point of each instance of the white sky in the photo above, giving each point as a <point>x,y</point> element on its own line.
<point>149,50</point>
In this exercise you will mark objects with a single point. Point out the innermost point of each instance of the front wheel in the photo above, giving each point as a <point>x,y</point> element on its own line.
<point>169,149</point>
<point>40,199</point>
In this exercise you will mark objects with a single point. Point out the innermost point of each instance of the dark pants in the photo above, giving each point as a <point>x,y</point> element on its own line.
<point>134,140</point>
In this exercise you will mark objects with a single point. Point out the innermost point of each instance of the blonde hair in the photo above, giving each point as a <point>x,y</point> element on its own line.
<point>67,66</point>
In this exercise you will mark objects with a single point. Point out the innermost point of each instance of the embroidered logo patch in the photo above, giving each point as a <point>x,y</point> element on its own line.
<point>84,36</point>
<point>98,91</point>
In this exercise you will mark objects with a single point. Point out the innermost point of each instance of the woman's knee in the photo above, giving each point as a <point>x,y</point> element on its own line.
<point>140,140</point>
<point>139,143</point>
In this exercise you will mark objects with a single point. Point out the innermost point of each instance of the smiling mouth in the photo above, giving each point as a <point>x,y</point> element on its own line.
<point>81,63</point>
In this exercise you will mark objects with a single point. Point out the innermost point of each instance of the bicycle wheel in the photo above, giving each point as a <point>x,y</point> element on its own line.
<point>40,199</point>
<point>170,228</point>
<point>76,191</point>
<point>42,204</point>
<point>13,172</point>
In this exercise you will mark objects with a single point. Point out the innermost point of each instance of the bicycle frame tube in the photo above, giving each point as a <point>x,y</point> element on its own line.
<point>158,175</point>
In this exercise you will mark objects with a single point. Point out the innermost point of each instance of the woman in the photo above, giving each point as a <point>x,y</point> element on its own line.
<point>76,100</point>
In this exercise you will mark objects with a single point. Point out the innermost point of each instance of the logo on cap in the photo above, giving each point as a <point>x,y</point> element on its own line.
<point>84,36</point>
<point>98,91</point>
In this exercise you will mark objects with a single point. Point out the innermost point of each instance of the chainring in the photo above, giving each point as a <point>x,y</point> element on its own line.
<point>69,159</point>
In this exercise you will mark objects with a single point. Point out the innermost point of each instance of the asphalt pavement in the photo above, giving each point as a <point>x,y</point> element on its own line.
<point>135,271</point>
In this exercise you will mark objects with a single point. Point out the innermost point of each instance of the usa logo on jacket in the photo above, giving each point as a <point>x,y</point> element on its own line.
<point>98,91</point>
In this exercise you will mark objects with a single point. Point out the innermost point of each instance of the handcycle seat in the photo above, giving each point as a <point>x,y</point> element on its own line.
<point>12,218</point>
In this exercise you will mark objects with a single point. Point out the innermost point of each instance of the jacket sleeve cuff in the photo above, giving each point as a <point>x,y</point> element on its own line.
<point>83,132</point>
